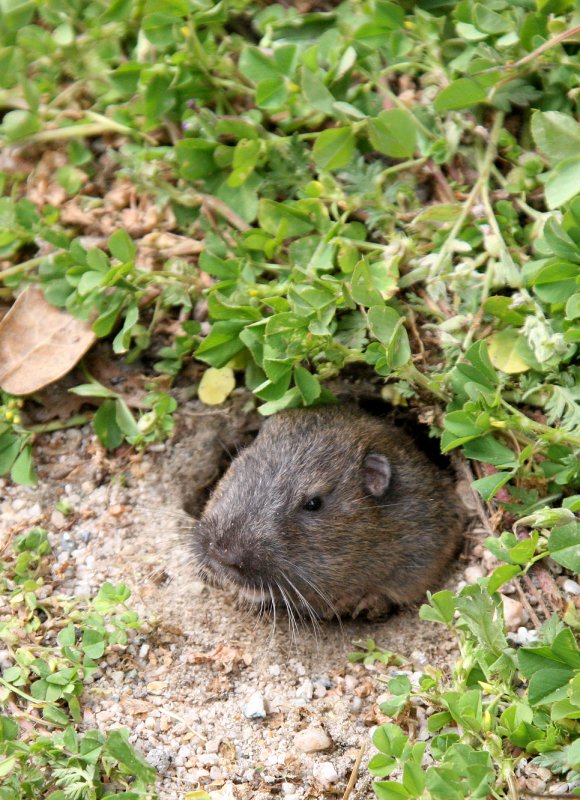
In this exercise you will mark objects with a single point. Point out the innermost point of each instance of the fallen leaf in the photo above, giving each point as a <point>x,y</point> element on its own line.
<point>225,656</point>
<point>39,343</point>
<point>216,385</point>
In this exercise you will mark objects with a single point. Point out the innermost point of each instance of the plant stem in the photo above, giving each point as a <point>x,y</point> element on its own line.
<point>413,162</point>
<point>75,421</point>
<point>24,266</point>
<point>98,128</point>
<point>485,170</point>
<point>523,423</point>
<point>412,374</point>
<point>360,245</point>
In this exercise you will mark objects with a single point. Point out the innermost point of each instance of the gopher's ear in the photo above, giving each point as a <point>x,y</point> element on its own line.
<point>377,473</point>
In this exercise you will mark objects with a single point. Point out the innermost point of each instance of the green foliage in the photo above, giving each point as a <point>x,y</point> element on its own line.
<point>47,677</point>
<point>499,706</point>
<point>369,653</point>
<point>15,442</point>
<point>302,147</point>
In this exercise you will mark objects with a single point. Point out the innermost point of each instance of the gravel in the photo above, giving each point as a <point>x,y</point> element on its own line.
<point>213,697</point>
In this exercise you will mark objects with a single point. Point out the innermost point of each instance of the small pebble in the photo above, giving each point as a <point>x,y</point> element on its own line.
<point>419,658</point>
<point>560,788</point>
<point>208,759</point>
<point>255,708</point>
<point>571,586</point>
<point>157,687</point>
<point>513,611</point>
<point>319,689</point>
<point>474,572</point>
<point>312,740</point>
<point>535,785</point>
<point>5,659</point>
<point>212,745</point>
<point>117,509</point>
<point>325,773</point>
<point>143,650</point>
<point>525,636</point>
<point>58,519</point>
<point>159,758</point>
<point>356,705</point>
<point>305,690</point>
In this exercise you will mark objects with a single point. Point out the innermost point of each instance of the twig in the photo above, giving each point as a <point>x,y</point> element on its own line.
<point>526,604</point>
<point>532,589</point>
<point>354,774</point>
<point>468,474</point>
<point>184,722</point>
<point>548,586</point>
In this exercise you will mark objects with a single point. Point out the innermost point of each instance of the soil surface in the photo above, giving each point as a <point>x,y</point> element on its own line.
<point>214,697</point>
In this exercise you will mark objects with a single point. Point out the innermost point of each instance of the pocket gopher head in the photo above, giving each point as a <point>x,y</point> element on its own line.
<point>312,514</point>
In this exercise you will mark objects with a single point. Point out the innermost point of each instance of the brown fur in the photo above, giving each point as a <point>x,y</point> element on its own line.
<point>364,549</point>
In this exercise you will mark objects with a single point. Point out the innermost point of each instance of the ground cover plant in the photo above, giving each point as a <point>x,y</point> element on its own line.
<point>267,195</point>
<point>42,753</point>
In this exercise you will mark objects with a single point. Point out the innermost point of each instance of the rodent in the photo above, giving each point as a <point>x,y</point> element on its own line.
<point>330,510</point>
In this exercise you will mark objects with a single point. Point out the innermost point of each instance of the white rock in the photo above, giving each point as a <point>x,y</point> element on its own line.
<point>255,708</point>
<point>312,740</point>
<point>560,788</point>
<point>325,773</point>
<point>535,785</point>
<point>212,745</point>
<point>490,562</point>
<point>474,572</point>
<point>526,636</point>
<point>208,759</point>
<point>356,705</point>
<point>419,658</point>
<point>513,611</point>
<point>571,586</point>
<point>305,690</point>
<point>225,793</point>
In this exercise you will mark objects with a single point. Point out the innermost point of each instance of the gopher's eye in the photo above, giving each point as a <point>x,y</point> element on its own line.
<point>313,504</point>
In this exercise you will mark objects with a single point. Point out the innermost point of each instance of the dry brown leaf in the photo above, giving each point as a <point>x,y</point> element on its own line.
<point>224,656</point>
<point>39,343</point>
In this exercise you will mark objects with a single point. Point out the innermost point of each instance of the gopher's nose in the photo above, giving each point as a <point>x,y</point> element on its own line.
<point>227,557</point>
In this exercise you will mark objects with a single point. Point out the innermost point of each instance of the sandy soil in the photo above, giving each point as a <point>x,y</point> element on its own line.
<point>183,686</point>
